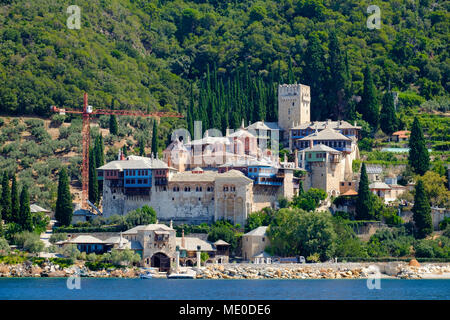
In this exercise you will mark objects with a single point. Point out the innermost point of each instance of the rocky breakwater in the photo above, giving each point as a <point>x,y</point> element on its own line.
<point>325,271</point>
<point>279,272</point>
<point>50,270</point>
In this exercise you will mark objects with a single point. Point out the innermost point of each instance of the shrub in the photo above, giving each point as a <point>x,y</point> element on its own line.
<point>4,247</point>
<point>314,258</point>
<point>55,237</point>
<point>142,216</point>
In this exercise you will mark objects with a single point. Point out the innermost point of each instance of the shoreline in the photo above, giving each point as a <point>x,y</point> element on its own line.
<point>353,270</point>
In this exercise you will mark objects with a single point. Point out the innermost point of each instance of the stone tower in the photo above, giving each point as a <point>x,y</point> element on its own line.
<point>293,106</point>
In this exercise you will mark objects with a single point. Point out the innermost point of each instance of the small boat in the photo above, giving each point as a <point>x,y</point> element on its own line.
<point>147,275</point>
<point>181,276</point>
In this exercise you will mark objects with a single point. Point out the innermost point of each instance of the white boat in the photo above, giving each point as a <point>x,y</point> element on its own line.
<point>182,275</point>
<point>147,275</point>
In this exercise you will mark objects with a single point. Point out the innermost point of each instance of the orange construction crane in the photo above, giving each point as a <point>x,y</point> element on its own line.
<point>86,134</point>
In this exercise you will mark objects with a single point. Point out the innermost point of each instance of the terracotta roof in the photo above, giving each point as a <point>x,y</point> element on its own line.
<point>349,192</point>
<point>403,133</point>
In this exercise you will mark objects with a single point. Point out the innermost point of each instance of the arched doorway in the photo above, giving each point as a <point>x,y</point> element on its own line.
<point>161,261</point>
<point>189,263</point>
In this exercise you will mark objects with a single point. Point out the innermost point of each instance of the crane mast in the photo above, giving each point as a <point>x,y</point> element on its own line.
<point>86,135</point>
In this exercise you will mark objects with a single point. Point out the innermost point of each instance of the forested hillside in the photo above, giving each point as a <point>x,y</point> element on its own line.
<point>145,53</point>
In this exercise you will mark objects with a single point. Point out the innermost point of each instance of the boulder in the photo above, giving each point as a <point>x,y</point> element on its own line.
<point>414,263</point>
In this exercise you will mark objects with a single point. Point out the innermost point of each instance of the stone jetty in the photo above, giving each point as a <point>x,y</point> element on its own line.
<point>399,270</point>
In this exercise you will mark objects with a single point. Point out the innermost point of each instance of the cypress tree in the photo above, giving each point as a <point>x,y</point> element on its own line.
<point>419,158</point>
<point>93,182</point>
<point>364,202</point>
<point>155,139</point>
<point>124,151</point>
<point>141,147</point>
<point>388,118</point>
<point>6,199</point>
<point>64,209</point>
<point>315,75</point>
<point>25,220</point>
<point>15,203</point>
<point>113,127</point>
<point>369,107</point>
<point>337,82</point>
<point>99,151</point>
<point>422,212</point>
<point>291,78</point>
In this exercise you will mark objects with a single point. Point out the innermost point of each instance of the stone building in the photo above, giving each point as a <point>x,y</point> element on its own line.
<point>254,243</point>
<point>194,196</point>
<point>157,245</point>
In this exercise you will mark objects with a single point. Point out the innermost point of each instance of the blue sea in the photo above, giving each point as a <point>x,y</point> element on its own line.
<point>165,289</point>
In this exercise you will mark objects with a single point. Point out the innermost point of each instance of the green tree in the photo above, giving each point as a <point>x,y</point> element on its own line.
<point>141,216</point>
<point>64,209</point>
<point>388,118</point>
<point>15,203</point>
<point>6,199</point>
<point>113,127</point>
<point>422,212</point>
<point>4,247</point>
<point>338,78</point>
<point>93,182</point>
<point>419,159</point>
<point>223,230</point>
<point>25,219</point>
<point>369,106</point>
<point>155,139</point>
<point>364,201</point>
<point>297,232</point>
<point>315,75</point>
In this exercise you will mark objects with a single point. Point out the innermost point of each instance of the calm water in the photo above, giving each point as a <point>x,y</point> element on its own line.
<point>155,289</point>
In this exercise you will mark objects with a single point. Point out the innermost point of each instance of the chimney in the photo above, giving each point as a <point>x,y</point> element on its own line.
<point>183,242</point>
<point>171,224</point>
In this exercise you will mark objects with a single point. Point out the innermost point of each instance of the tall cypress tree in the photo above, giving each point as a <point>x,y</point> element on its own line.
<point>338,81</point>
<point>113,127</point>
<point>418,159</point>
<point>25,219</point>
<point>155,139</point>
<point>364,202</point>
<point>64,209</point>
<point>315,75</point>
<point>93,182</point>
<point>141,147</point>
<point>422,212</point>
<point>99,151</point>
<point>388,118</point>
<point>6,199</point>
<point>369,107</point>
<point>15,203</point>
